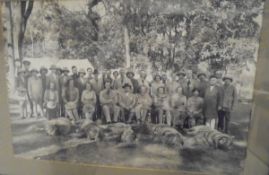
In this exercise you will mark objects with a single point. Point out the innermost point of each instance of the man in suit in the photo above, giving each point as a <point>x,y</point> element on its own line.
<point>211,102</point>
<point>130,75</point>
<point>97,85</point>
<point>202,84</point>
<point>63,83</point>
<point>43,75</point>
<point>228,100</point>
<point>81,85</point>
<point>74,75</point>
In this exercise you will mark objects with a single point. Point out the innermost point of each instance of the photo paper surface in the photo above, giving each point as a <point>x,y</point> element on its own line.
<point>146,84</point>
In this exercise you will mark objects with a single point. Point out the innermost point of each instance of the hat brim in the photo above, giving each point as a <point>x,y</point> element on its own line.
<point>201,74</point>
<point>178,74</point>
<point>129,73</point>
<point>26,62</point>
<point>227,78</point>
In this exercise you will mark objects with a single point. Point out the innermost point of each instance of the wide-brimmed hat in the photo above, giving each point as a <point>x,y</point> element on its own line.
<point>126,85</point>
<point>34,70</point>
<point>229,77</point>
<point>65,69</point>
<point>43,69</point>
<point>130,72</point>
<point>53,67</point>
<point>26,62</point>
<point>82,71</point>
<point>157,75</point>
<point>213,76</point>
<point>181,73</point>
<point>200,74</point>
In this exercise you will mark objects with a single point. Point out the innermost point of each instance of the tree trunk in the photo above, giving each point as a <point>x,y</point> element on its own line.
<point>127,47</point>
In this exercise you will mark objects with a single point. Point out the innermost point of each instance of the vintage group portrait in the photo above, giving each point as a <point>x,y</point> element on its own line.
<point>148,84</point>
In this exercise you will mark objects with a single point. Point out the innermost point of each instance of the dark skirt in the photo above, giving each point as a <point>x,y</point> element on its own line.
<point>52,113</point>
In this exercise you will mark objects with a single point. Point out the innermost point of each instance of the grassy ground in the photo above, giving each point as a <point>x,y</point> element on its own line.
<point>146,155</point>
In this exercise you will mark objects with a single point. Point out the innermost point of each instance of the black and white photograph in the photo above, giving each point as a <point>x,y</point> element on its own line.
<point>150,84</point>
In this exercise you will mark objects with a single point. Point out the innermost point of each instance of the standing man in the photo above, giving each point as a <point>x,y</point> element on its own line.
<point>228,100</point>
<point>35,92</point>
<point>130,75</point>
<point>97,85</point>
<point>109,100</point>
<point>27,75</point>
<point>189,85</point>
<point>74,75</point>
<point>142,81</point>
<point>201,84</point>
<point>43,75</point>
<point>63,83</point>
<point>54,77</point>
<point>211,102</point>
<point>81,85</point>
<point>90,73</point>
<point>116,80</point>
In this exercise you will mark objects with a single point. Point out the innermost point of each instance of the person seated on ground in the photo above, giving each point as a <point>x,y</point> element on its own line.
<point>161,103</point>
<point>88,99</point>
<point>108,101</point>
<point>35,93</point>
<point>178,103</point>
<point>195,109</point>
<point>51,101</point>
<point>70,98</point>
<point>127,102</point>
<point>143,105</point>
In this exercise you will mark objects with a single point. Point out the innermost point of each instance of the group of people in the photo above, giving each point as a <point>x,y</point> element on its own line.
<point>184,101</point>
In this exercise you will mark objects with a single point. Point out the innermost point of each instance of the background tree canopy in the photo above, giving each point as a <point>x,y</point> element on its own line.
<point>171,34</point>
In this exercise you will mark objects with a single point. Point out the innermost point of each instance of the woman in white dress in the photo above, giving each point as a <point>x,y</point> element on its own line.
<point>88,99</point>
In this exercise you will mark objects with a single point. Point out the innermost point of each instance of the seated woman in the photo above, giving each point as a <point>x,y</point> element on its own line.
<point>88,99</point>
<point>108,101</point>
<point>143,104</point>
<point>161,103</point>
<point>178,103</point>
<point>51,101</point>
<point>127,102</point>
<point>195,108</point>
<point>70,98</point>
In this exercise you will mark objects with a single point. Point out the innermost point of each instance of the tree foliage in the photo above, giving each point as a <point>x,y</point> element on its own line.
<point>172,34</point>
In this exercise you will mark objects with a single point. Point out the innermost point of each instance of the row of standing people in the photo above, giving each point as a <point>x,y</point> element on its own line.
<point>119,96</point>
